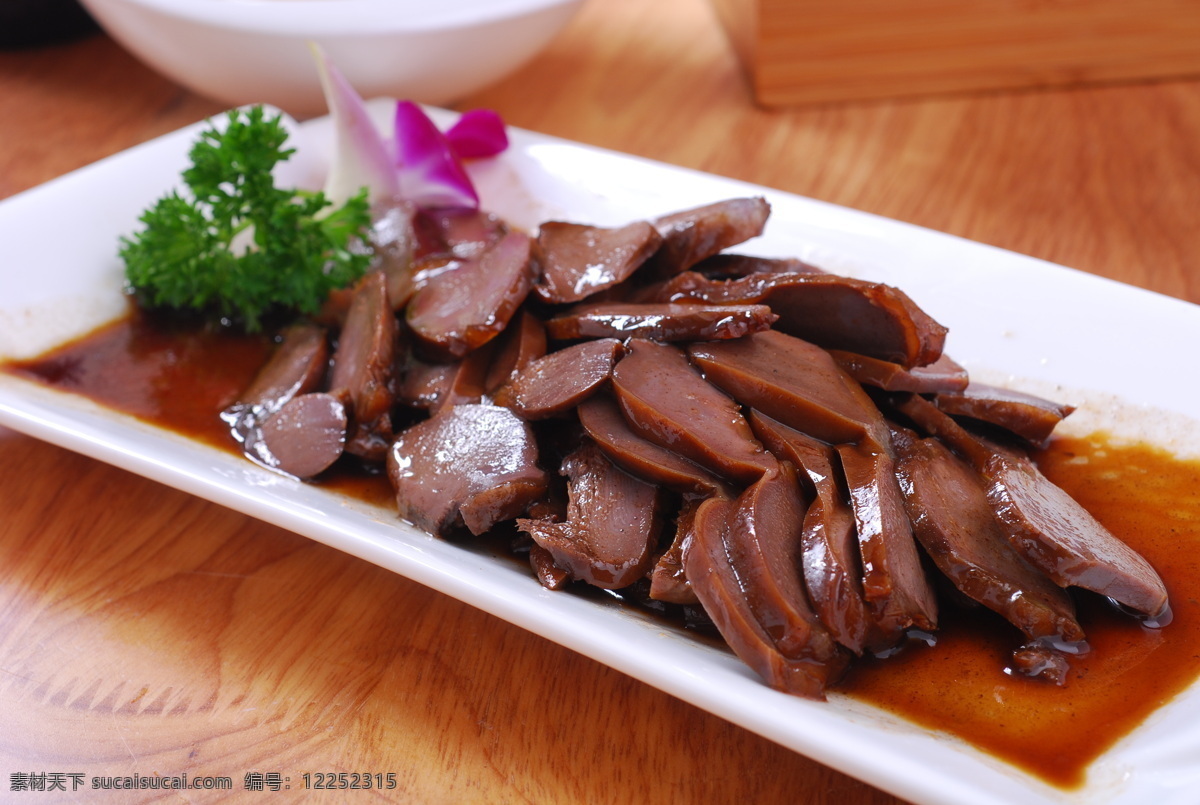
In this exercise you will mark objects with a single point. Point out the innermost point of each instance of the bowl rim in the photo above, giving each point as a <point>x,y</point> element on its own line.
<point>339,17</point>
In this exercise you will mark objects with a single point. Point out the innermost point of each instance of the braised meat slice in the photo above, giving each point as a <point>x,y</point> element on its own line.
<point>521,343</point>
<point>558,382</point>
<point>661,322</point>
<point>829,541</point>
<point>613,522</point>
<point>426,385</point>
<point>668,402</point>
<point>953,520</point>
<point>668,581</point>
<point>459,231</point>
<point>306,436</point>
<point>604,423</point>
<point>743,565</point>
<point>470,301</point>
<point>731,266</point>
<point>793,381</point>
<point>1045,525</point>
<point>894,583</point>
<point>394,240</point>
<point>1029,416</point>
<point>943,375</point>
<point>577,260</point>
<point>834,312</point>
<point>363,366</point>
<point>690,236</point>
<point>296,366</point>
<point>549,575</point>
<point>474,464</point>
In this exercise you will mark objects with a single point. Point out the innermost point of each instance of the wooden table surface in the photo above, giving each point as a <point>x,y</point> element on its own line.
<point>145,631</point>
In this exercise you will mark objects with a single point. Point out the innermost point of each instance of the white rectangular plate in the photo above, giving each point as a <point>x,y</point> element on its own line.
<point>1012,319</point>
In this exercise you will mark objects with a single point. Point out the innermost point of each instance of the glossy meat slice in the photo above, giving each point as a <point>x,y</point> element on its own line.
<point>521,343</point>
<point>943,375</point>
<point>296,366</point>
<point>834,312</point>
<point>425,385</point>
<point>561,380</point>
<point>433,386</point>
<point>613,522</point>
<point>474,464</point>
<point>732,266</point>
<point>394,240</point>
<point>690,236</point>
<point>956,525</point>
<point>1046,526</point>
<point>793,381</point>
<point>1030,417</point>
<point>578,260</point>
<point>743,566</point>
<point>762,538</point>
<point>605,424</point>
<point>306,436</point>
<point>666,400</point>
<point>829,542</point>
<point>458,231</point>
<point>894,582</point>
<point>470,302</point>
<point>363,366</point>
<point>661,322</point>
<point>668,580</point>
<point>549,575</point>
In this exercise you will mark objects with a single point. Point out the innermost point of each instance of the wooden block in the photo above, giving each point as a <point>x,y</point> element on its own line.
<point>812,51</point>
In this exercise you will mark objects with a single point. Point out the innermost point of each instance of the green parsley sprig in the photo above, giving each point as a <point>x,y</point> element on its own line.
<point>238,247</point>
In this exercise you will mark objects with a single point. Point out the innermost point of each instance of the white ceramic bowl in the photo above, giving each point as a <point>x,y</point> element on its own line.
<point>256,51</point>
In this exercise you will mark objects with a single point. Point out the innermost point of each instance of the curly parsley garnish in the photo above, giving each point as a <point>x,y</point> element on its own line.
<point>240,248</point>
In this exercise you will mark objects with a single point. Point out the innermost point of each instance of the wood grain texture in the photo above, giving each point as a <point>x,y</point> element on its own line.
<point>837,50</point>
<point>145,631</point>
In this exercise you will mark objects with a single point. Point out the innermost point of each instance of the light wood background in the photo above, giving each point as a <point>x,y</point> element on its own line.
<point>144,631</point>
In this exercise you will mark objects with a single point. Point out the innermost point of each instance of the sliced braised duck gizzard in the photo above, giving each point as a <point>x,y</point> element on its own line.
<point>894,582</point>
<point>830,559</point>
<point>668,580</point>
<point>457,231</point>
<point>692,235</point>
<point>792,528</point>
<point>728,266</point>
<point>954,522</point>
<point>363,367</point>
<point>666,400</point>
<point>297,366</point>
<point>394,239</point>
<point>743,565</point>
<point>560,381</point>
<point>474,465</point>
<point>612,526</point>
<point>469,303</point>
<point>306,436</point>
<point>1028,416</point>
<point>433,386</point>
<point>834,312</point>
<point>603,421</point>
<point>943,375</point>
<point>793,381</point>
<point>521,343</point>
<point>576,261</point>
<point>1046,526</point>
<point>671,321</point>
<point>295,370</point>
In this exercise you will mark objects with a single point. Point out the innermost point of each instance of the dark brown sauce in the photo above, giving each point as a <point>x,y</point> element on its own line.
<point>180,377</point>
<point>1151,501</point>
